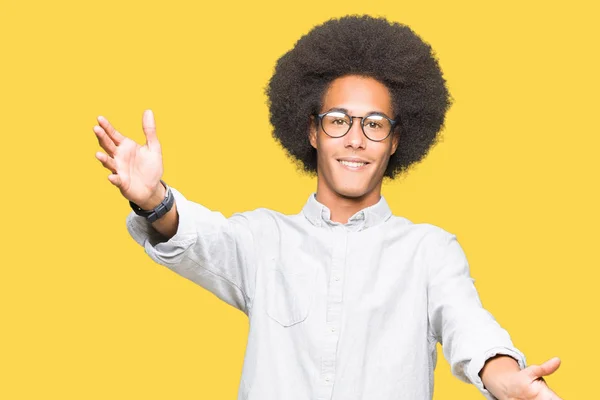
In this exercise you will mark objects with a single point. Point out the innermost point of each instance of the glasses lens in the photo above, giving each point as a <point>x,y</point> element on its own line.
<point>377,127</point>
<point>336,123</point>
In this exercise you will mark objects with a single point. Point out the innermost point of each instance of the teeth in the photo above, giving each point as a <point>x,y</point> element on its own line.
<point>352,164</point>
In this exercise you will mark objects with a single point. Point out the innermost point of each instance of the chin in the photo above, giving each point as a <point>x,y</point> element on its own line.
<point>352,192</point>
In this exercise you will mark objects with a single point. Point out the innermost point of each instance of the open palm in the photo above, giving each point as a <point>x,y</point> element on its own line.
<point>135,169</point>
<point>528,384</point>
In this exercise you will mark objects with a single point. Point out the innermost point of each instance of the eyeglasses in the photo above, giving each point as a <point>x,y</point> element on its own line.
<point>375,126</point>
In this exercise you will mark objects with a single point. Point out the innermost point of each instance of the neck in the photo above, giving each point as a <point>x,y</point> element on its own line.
<point>344,207</point>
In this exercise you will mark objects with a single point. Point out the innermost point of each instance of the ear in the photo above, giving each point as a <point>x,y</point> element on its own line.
<point>395,141</point>
<point>312,132</point>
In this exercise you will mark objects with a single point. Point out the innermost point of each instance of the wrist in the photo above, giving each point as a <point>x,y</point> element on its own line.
<point>497,374</point>
<point>161,209</point>
<point>158,195</point>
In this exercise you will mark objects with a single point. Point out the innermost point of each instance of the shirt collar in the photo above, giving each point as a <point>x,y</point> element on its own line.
<point>318,214</point>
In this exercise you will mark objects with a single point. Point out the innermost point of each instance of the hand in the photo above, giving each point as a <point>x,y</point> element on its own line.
<point>136,170</point>
<point>529,384</point>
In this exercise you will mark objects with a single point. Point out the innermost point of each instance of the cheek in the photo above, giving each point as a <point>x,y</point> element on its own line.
<point>384,156</point>
<point>325,149</point>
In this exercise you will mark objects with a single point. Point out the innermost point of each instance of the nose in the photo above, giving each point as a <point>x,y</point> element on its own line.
<point>355,137</point>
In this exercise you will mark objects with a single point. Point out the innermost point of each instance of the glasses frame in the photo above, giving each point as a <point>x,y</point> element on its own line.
<point>393,123</point>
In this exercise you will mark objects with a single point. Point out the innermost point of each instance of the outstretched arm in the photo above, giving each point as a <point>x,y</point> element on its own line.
<point>215,252</point>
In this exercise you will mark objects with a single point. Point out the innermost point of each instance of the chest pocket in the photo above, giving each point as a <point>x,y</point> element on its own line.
<point>290,289</point>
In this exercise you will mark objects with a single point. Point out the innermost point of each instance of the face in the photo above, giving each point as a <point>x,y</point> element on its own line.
<point>358,96</point>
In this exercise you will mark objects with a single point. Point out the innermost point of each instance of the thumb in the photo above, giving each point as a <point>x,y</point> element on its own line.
<point>149,127</point>
<point>545,369</point>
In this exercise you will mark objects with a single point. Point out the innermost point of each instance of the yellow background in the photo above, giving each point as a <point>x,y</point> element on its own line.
<point>85,314</point>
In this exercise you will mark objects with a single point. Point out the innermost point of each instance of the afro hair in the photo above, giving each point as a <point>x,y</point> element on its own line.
<point>367,46</point>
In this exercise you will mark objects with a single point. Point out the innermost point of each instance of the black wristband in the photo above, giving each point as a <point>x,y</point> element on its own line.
<point>160,210</point>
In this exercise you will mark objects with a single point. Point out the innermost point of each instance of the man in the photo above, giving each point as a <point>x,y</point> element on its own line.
<point>345,300</point>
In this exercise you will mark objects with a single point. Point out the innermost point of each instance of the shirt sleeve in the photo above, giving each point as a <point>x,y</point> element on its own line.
<point>469,334</point>
<point>215,252</point>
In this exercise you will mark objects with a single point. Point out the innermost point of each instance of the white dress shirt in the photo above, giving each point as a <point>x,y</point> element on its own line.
<point>337,311</point>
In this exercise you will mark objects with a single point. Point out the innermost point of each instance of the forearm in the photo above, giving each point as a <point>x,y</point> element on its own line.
<point>216,252</point>
<point>168,223</point>
<point>495,373</point>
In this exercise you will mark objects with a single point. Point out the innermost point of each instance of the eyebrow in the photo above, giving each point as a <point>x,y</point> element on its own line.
<point>345,110</point>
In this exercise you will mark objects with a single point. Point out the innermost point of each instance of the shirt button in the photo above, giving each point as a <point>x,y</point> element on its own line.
<point>337,277</point>
<point>327,379</point>
<point>332,329</point>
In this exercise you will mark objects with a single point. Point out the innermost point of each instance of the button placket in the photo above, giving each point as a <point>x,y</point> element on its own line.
<point>334,311</point>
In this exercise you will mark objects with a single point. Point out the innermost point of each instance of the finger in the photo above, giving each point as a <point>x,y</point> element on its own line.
<point>149,127</point>
<point>113,134</point>
<point>547,368</point>
<point>115,180</point>
<point>108,162</point>
<point>105,142</point>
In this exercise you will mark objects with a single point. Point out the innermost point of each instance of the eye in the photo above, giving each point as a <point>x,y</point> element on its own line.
<point>336,118</point>
<point>376,122</point>
<point>339,121</point>
<point>373,125</point>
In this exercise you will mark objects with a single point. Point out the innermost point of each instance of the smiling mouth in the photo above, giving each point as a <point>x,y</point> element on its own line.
<point>352,164</point>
